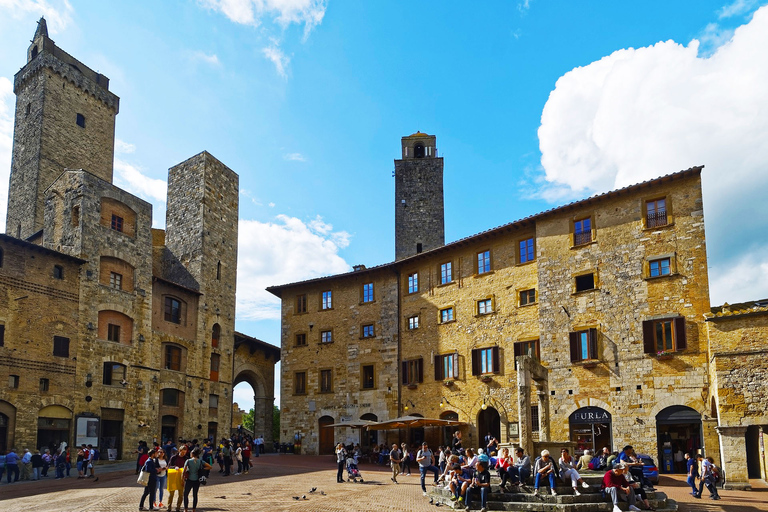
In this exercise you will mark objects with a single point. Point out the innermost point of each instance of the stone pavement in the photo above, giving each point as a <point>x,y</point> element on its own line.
<point>276,479</point>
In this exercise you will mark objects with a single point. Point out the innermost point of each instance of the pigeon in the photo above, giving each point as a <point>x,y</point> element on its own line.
<point>296,497</point>
<point>312,490</point>
<point>438,504</point>
<point>95,479</point>
<point>431,501</point>
<point>322,493</point>
<point>304,497</point>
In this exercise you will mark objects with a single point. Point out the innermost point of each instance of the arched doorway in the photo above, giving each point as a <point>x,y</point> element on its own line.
<point>3,433</point>
<point>677,428</point>
<point>53,427</point>
<point>253,388</point>
<point>325,444</point>
<point>168,428</point>
<point>590,429</point>
<point>368,438</point>
<point>447,432</point>
<point>7,425</point>
<point>488,420</point>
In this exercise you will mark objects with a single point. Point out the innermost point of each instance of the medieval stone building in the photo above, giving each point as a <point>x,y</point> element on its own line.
<point>111,331</point>
<point>580,326</point>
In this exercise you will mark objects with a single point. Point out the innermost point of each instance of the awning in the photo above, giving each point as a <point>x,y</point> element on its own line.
<point>353,424</point>
<point>414,422</point>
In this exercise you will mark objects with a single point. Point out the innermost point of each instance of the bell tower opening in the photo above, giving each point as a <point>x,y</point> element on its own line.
<point>418,150</point>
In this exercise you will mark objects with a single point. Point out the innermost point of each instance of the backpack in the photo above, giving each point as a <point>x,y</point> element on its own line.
<point>717,474</point>
<point>96,454</point>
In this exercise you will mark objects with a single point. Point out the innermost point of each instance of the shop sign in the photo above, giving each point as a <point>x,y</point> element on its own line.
<point>590,415</point>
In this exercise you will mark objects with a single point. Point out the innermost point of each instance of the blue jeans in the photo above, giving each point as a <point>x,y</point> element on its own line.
<point>692,482</point>
<point>483,496</point>
<point>161,481</point>
<point>551,477</point>
<point>423,471</point>
<point>519,474</point>
<point>60,471</point>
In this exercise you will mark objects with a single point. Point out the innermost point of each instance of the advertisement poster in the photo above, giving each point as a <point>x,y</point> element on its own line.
<point>87,431</point>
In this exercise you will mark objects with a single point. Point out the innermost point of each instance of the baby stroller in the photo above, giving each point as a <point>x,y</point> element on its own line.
<point>352,472</point>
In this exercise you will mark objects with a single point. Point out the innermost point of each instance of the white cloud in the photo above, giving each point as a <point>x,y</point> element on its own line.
<point>748,274</point>
<point>213,59</point>
<point>284,251</point>
<point>130,178</point>
<point>736,8</point>
<point>6,142</point>
<point>278,58</point>
<point>123,148</point>
<point>640,113</point>
<point>309,13</point>
<point>58,14</point>
<point>524,6</point>
<point>296,157</point>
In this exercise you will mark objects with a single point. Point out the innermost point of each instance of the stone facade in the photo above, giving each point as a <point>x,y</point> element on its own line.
<point>545,323</point>
<point>119,325</point>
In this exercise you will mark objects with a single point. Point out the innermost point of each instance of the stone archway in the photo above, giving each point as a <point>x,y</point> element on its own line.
<point>254,364</point>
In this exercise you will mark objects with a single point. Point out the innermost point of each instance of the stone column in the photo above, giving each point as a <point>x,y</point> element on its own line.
<point>734,457</point>
<point>524,402</point>
<point>543,413</point>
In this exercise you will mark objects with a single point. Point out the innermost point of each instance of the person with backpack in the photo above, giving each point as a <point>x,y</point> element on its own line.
<point>192,471</point>
<point>709,477</point>
<point>93,458</point>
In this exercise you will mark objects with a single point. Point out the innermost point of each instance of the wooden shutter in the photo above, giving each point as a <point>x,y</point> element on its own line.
<point>455,357</point>
<point>593,344</point>
<point>405,373</point>
<point>420,370</point>
<point>649,341</point>
<point>681,343</point>
<point>575,352</point>
<point>439,368</point>
<point>496,365</point>
<point>475,362</point>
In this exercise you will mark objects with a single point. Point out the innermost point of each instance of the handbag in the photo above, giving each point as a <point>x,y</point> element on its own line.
<point>143,478</point>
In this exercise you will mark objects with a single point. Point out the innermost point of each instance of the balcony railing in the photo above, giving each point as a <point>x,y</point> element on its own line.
<point>656,219</point>
<point>582,238</point>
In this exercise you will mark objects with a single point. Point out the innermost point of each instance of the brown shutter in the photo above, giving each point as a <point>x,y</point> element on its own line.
<point>593,344</point>
<point>475,362</point>
<point>405,373</point>
<point>649,343</point>
<point>420,369</point>
<point>439,368</point>
<point>575,352</point>
<point>681,343</point>
<point>496,365</point>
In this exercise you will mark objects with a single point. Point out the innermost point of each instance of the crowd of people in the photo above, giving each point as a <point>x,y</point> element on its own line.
<point>42,463</point>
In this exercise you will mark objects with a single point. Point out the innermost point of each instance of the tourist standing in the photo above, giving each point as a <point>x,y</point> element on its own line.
<point>149,490</point>
<point>162,476</point>
<point>341,457</point>
<point>193,468</point>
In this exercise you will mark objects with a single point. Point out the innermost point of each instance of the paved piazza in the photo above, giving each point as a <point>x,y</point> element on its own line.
<point>274,481</point>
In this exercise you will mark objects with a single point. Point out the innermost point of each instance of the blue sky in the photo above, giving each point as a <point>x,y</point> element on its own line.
<point>534,103</point>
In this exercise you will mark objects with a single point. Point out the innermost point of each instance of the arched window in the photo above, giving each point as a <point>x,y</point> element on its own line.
<point>418,150</point>
<point>215,335</point>
<point>34,51</point>
<point>218,270</point>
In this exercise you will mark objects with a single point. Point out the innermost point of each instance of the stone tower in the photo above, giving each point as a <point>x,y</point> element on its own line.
<point>65,118</point>
<point>419,211</point>
<point>201,234</point>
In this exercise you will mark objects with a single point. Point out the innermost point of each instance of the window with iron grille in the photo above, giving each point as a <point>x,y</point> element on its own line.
<point>582,231</point>
<point>656,213</point>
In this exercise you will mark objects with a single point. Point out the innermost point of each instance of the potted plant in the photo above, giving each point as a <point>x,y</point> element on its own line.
<point>448,383</point>
<point>486,378</point>
<point>664,354</point>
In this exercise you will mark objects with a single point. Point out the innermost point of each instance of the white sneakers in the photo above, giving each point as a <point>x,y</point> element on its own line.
<point>634,508</point>
<point>554,493</point>
<point>576,492</point>
<point>585,485</point>
<point>616,508</point>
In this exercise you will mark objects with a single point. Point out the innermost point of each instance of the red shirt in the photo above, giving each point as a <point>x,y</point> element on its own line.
<point>611,479</point>
<point>247,450</point>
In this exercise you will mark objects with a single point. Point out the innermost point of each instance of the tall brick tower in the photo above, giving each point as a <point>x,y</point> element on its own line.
<point>419,211</point>
<point>201,232</point>
<point>65,118</point>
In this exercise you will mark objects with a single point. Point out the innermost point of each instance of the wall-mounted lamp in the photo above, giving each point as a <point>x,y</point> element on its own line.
<point>141,337</point>
<point>189,383</point>
<point>444,401</point>
<point>154,378</point>
<point>484,406</point>
<point>90,326</point>
<point>225,392</point>
<point>405,408</point>
<point>88,378</point>
<point>311,326</point>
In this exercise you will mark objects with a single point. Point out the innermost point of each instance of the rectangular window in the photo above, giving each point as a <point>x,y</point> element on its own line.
<point>60,346</point>
<point>446,315</point>
<point>114,374</point>
<point>213,404</point>
<point>58,272</point>
<point>583,345</point>
<point>368,331</point>
<point>484,306</point>
<point>413,322</point>
<point>326,336</point>
<point>527,297</point>
<point>664,335</point>
<point>585,282</point>
<point>485,361</point>
<point>368,377</point>
<point>300,383</point>
<point>326,381</point>
<point>116,280</point>
<point>2,335</point>
<point>44,384</point>
<point>483,262</point>
<point>117,222</point>
<point>368,292</point>
<point>80,120</point>
<point>582,231</point>
<point>413,372</point>
<point>526,348</point>
<point>170,397</point>
<point>301,339</point>
<point>656,213</point>
<point>446,273</point>
<point>413,282</point>
<point>534,418</point>
<point>113,333</point>
<point>301,303</point>
<point>13,381</point>
<point>526,251</point>
<point>447,366</point>
<point>172,358</point>
<point>659,267</point>
<point>326,301</point>
<point>215,362</point>
<point>172,310</point>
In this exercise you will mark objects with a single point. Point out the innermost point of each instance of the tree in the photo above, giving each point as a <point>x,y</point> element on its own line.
<point>275,423</point>
<point>248,420</point>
